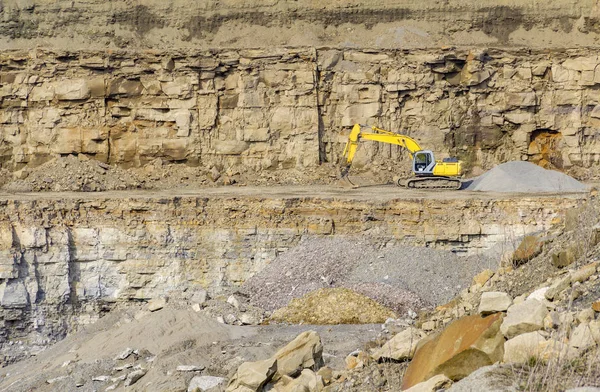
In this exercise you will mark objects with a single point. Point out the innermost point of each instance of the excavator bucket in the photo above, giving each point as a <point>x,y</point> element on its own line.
<point>344,180</point>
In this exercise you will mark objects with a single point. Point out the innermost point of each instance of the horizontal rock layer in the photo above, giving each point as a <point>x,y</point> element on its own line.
<point>65,258</point>
<point>256,111</point>
<point>264,23</point>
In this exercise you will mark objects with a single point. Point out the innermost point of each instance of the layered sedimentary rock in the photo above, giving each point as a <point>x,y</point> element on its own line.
<point>64,260</point>
<point>279,109</point>
<point>263,23</point>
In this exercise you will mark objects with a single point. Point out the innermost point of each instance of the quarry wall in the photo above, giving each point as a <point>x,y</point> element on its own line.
<point>64,258</point>
<point>276,109</point>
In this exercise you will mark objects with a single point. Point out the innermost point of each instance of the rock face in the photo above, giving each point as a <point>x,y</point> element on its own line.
<point>464,346</point>
<point>264,110</point>
<point>141,247</point>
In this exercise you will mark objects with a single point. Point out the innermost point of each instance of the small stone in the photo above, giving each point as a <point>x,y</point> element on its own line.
<point>204,383</point>
<point>586,315</point>
<point>557,287</point>
<point>124,354</point>
<point>56,379</point>
<point>596,306</point>
<point>326,374</point>
<point>583,273</point>
<point>189,368</point>
<point>351,362</point>
<point>199,297</point>
<point>231,319</point>
<point>221,319</point>
<point>134,376</point>
<point>101,378</point>
<point>156,304</point>
<point>482,278</point>
<point>249,319</point>
<point>196,307</point>
<point>539,294</point>
<point>233,301</point>
<point>435,383</point>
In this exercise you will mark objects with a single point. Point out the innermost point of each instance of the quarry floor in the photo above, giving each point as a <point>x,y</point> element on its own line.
<point>379,192</point>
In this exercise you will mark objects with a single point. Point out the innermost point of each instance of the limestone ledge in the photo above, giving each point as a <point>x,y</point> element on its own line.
<point>252,110</point>
<point>65,258</point>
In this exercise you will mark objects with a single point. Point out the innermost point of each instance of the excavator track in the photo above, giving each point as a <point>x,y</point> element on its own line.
<point>432,183</point>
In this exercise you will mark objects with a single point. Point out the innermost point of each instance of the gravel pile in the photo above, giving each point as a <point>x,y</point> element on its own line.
<point>399,277</point>
<point>519,176</point>
<point>71,173</point>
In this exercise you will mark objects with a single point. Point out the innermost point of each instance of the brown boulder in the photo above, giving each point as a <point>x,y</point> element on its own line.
<point>529,247</point>
<point>464,346</point>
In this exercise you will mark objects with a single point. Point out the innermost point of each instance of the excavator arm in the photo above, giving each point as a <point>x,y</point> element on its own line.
<point>378,135</point>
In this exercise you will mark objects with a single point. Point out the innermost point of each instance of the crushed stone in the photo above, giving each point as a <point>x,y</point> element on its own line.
<point>399,277</point>
<point>333,306</point>
<point>521,176</point>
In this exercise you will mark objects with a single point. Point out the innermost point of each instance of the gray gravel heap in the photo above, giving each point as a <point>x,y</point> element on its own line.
<point>400,277</point>
<point>520,176</point>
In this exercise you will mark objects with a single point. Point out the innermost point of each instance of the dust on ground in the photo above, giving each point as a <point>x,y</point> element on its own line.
<point>160,342</point>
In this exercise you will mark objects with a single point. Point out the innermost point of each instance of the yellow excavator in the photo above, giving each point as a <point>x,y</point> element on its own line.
<point>428,173</point>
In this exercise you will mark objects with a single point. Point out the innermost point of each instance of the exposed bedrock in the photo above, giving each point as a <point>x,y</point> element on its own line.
<point>271,110</point>
<point>66,260</point>
<point>264,23</point>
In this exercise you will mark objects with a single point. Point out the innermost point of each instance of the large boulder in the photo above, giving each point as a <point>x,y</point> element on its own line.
<point>529,247</point>
<point>401,347</point>
<point>525,317</point>
<point>252,376</point>
<point>464,346</point>
<point>585,335</point>
<point>529,345</point>
<point>304,352</point>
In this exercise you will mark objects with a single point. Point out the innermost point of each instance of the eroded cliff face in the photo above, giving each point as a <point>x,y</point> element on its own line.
<point>270,110</point>
<point>67,259</point>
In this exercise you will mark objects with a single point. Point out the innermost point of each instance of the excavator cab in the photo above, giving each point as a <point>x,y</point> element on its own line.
<point>423,163</point>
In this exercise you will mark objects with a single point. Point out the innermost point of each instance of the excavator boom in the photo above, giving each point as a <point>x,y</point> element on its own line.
<point>378,135</point>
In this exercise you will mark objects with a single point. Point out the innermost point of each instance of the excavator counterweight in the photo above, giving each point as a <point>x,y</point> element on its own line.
<point>429,173</point>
